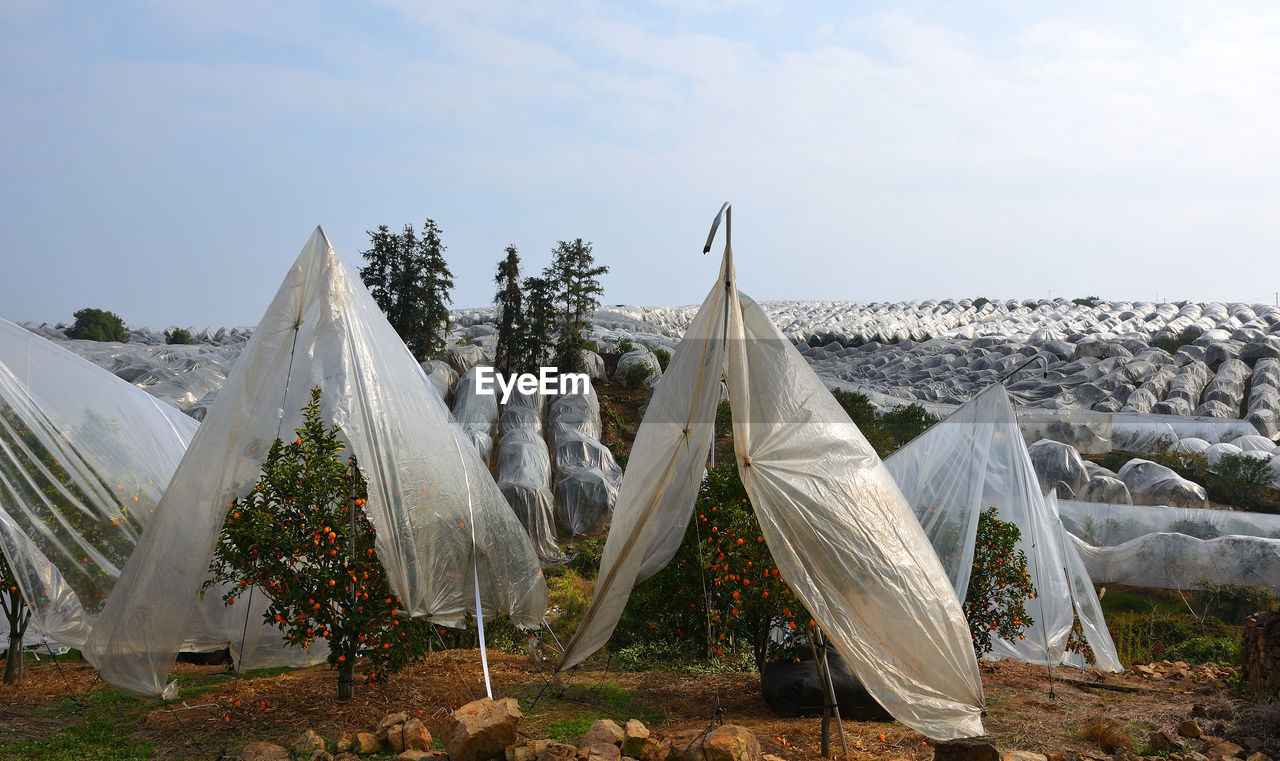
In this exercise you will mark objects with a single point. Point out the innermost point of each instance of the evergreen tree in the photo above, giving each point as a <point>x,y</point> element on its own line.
<point>410,282</point>
<point>438,284</point>
<point>540,318</point>
<point>509,354</point>
<point>576,289</point>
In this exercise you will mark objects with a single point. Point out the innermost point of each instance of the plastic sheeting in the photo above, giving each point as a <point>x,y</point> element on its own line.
<point>579,413</point>
<point>1107,525</point>
<point>1153,484</point>
<point>444,533</point>
<point>1179,561</point>
<point>523,472</point>
<point>844,539</point>
<point>84,459</point>
<point>443,377</point>
<point>587,474</point>
<point>476,413</point>
<point>976,459</point>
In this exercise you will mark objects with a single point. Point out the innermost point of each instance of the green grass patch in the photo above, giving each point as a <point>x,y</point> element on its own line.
<point>90,733</point>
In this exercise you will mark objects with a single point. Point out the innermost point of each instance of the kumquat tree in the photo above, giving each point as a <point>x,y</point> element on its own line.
<point>302,536</point>
<point>17,615</point>
<point>747,609</point>
<point>999,585</point>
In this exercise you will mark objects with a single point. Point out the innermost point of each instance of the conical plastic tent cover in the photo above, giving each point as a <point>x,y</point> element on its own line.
<point>447,538</point>
<point>840,532</point>
<point>84,460</point>
<point>975,459</point>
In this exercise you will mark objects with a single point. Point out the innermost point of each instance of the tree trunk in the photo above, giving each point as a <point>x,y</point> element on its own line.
<point>346,680</point>
<point>13,664</point>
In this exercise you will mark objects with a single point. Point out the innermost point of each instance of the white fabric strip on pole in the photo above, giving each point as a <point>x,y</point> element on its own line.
<point>841,534</point>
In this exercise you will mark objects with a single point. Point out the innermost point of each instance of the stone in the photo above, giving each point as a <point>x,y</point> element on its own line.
<point>1222,749</point>
<point>346,741</point>
<point>603,731</point>
<point>968,749</point>
<point>634,735</point>
<point>1069,755</point>
<point>422,755</point>
<point>1023,755</point>
<point>366,743</point>
<point>600,752</point>
<point>321,755</point>
<point>389,721</point>
<point>1162,740</point>
<point>1258,756</point>
<point>1190,728</point>
<point>346,756</point>
<point>554,751</point>
<point>260,751</point>
<point>728,742</point>
<point>522,753</point>
<point>307,743</point>
<point>482,729</point>
<point>411,735</point>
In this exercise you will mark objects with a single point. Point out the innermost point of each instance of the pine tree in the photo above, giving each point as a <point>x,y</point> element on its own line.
<point>410,282</point>
<point>509,354</point>
<point>540,317</point>
<point>438,284</point>
<point>576,289</point>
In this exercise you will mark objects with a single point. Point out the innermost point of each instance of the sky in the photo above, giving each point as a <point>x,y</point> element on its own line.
<point>167,161</point>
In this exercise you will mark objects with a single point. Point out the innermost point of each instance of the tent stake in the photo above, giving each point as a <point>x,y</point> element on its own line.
<point>829,706</point>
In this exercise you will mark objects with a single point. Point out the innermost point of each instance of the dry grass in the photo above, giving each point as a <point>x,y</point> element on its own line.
<point>1108,735</point>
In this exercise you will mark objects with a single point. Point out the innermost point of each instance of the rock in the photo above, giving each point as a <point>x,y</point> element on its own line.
<point>344,756</point>
<point>1190,728</point>
<point>1260,652</point>
<point>968,749</point>
<point>555,751</point>
<point>307,743</point>
<point>321,755</point>
<point>1023,755</point>
<point>260,751</point>
<point>1069,755</point>
<point>603,731</point>
<point>482,729</point>
<point>1258,756</point>
<point>366,743</point>
<point>633,736</point>
<point>1162,740</point>
<point>605,751</point>
<point>346,741</point>
<point>389,721</point>
<point>422,755</point>
<point>1223,749</point>
<point>522,753</point>
<point>729,742</point>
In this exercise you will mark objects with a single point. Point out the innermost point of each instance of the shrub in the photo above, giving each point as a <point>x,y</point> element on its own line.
<point>1205,650</point>
<point>308,544</point>
<point>906,423</point>
<point>1231,603</point>
<point>177,336</point>
<point>1087,301</point>
<point>664,358</point>
<point>980,302</point>
<point>625,345</point>
<point>636,375</point>
<point>1239,480</point>
<point>724,419</point>
<point>863,414</point>
<point>724,556</point>
<point>999,585</point>
<point>98,325</point>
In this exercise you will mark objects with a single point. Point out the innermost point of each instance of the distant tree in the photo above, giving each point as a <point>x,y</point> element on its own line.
<point>98,325</point>
<point>510,353</point>
<point>999,586</point>
<point>576,287</point>
<point>1087,301</point>
<point>177,336</point>
<point>410,282</point>
<point>540,317</point>
<point>18,614</point>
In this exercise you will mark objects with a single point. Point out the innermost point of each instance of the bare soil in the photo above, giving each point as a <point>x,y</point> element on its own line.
<point>1024,710</point>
